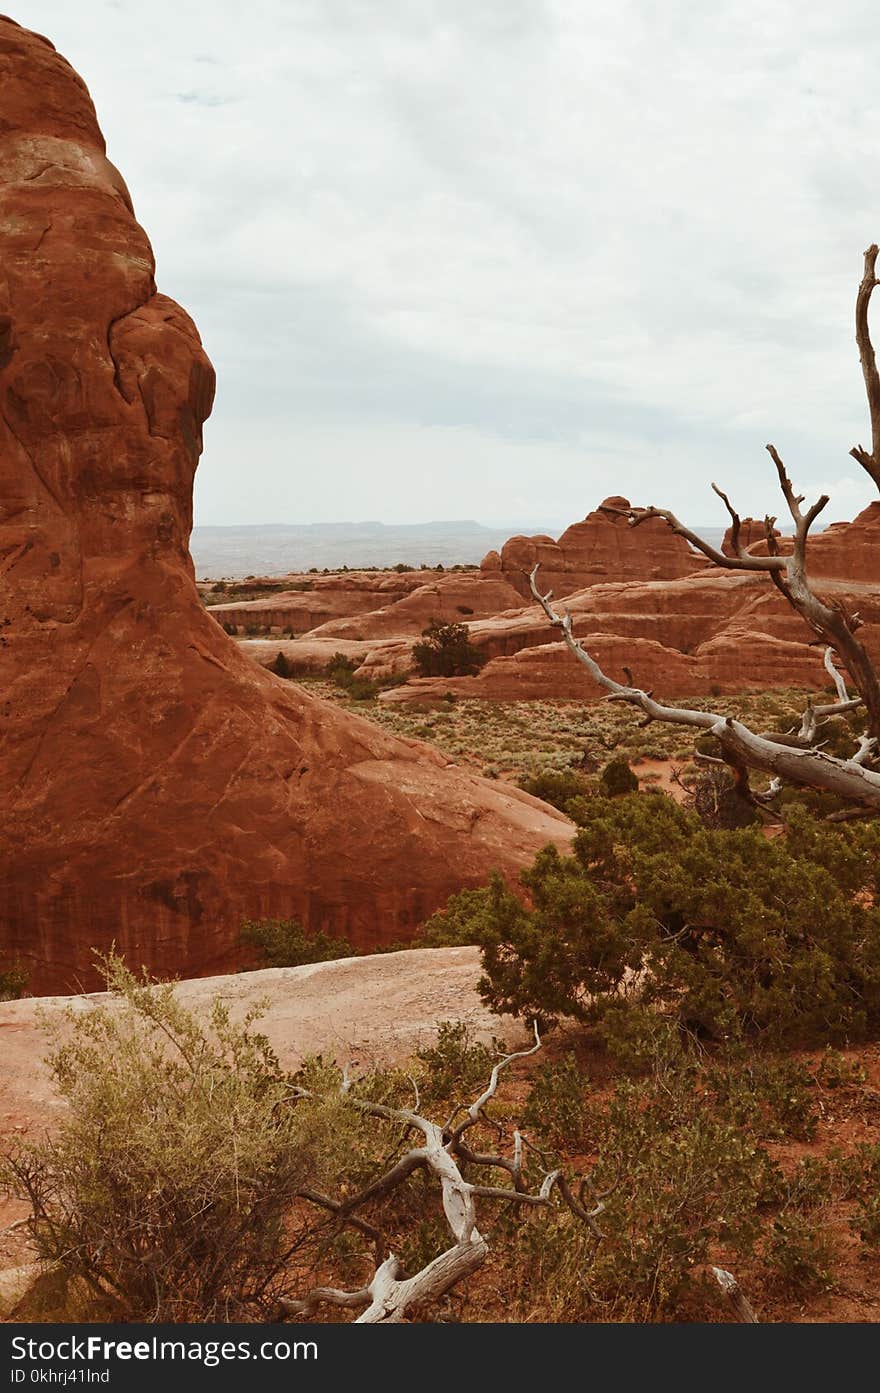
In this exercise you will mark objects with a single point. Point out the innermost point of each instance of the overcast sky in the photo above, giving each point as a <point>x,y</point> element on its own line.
<point>500,258</point>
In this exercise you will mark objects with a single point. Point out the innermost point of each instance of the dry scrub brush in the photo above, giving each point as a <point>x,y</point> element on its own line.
<point>192,1178</point>
<point>167,1186</point>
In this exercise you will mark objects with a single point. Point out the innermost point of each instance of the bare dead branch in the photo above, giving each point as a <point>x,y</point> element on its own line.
<point>869,462</point>
<point>390,1293</point>
<point>338,1208</point>
<point>475,1109</point>
<point>735,1295</point>
<point>735,521</point>
<point>742,562</point>
<point>320,1296</point>
<point>866,750</point>
<point>836,675</point>
<point>739,745</point>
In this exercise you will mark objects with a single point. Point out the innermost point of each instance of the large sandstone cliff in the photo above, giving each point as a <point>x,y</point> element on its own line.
<point>156,785</point>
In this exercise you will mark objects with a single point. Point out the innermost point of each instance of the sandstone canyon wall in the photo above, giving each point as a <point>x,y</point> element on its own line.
<point>157,786</point>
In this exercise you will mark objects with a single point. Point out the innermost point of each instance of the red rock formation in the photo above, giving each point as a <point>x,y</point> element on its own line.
<point>157,786</point>
<point>714,633</point>
<point>314,600</point>
<point>451,599</point>
<point>310,657</point>
<point>548,672</point>
<point>751,534</point>
<point>601,548</point>
<point>844,551</point>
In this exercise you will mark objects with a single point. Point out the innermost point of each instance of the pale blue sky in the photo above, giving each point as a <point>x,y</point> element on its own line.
<point>500,258</point>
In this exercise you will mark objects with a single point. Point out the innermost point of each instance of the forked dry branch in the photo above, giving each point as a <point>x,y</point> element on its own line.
<point>796,757</point>
<point>390,1293</point>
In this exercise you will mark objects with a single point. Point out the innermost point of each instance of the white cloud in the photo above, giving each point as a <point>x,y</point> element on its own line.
<point>593,248</point>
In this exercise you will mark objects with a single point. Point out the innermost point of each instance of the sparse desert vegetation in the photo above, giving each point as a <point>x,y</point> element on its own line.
<point>194,1178</point>
<point>528,738</point>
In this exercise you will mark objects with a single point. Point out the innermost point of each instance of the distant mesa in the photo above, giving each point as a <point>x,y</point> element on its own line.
<point>157,785</point>
<point>281,548</point>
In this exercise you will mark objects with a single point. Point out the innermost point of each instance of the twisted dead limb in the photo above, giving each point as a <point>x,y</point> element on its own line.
<point>869,461</point>
<point>744,1309</point>
<point>741,748</point>
<point>391,1293</point>
<point>796,757</point>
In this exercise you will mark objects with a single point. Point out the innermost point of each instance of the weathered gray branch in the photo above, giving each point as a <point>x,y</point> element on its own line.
<point>870,462</point>
<point>739,745</point>
<point>795,756</point>
<point>735,1295</point>
<point>390,1293</point>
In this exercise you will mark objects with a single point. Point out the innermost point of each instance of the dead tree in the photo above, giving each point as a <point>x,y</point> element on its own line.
<point>443,1153</point>
<point>797,757</point>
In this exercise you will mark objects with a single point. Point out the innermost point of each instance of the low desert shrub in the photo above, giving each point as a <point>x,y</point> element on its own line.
<point>166,1187</point>
<point>13,982</point>
<point>285,943</point>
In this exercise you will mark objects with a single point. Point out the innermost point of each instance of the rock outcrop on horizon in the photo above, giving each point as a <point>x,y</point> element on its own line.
<point>709,632</point>
<point>845,550</point>
<point>157,785</point>
<point>751,534</point>
<point>604,547</point>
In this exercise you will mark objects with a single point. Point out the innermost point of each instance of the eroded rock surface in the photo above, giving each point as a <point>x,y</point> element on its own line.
<point>157,786</point>
<point>601,548</point>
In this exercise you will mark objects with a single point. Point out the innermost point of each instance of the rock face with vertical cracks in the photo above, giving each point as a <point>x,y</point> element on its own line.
<point>157,786</point>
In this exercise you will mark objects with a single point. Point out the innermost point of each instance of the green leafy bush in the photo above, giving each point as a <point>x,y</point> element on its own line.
<point>555,1108</point>
<point>728,931</point>
<point>556,786</point>
<point>455,1064</point>
<point>676,1181</point>
<point>617,779</point>
<point>799,1253</point>
<point>341,671</point>
<point>446,652</point>
<point>285,943</point>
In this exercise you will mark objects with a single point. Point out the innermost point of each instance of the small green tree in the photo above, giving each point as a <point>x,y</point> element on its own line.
<point>617,778</point>
<point>447,652</point>
<point>281,667</point>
